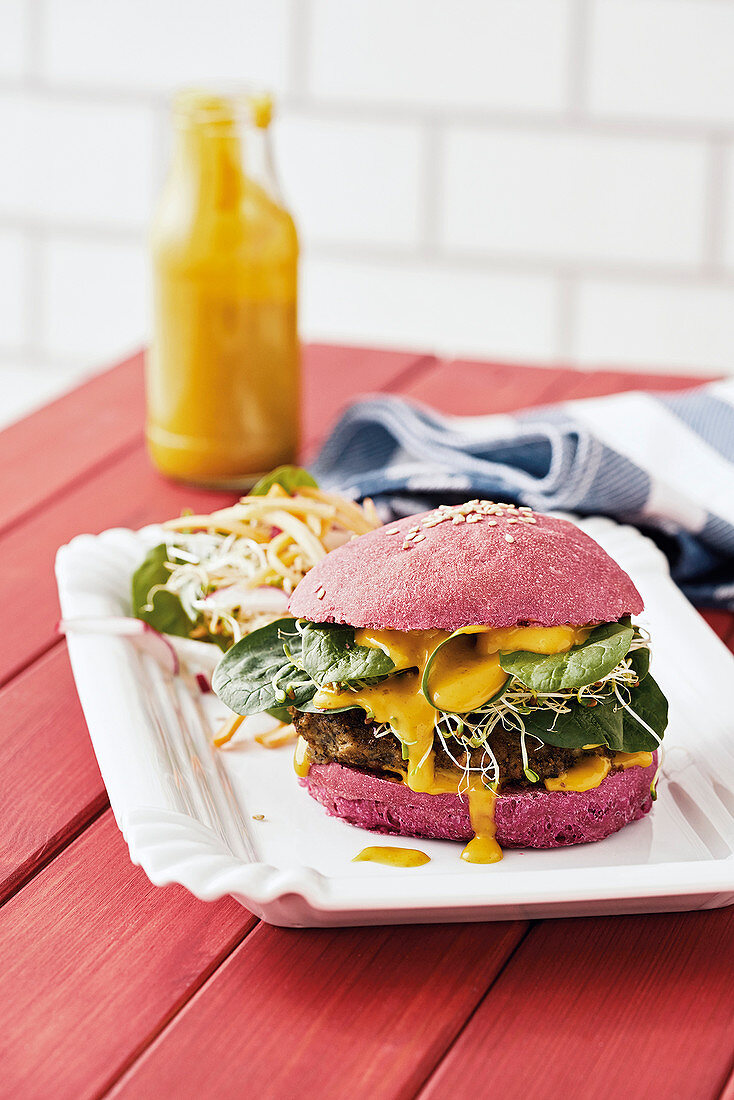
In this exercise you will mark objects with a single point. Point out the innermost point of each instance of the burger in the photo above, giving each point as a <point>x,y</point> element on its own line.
<point>473,674</point>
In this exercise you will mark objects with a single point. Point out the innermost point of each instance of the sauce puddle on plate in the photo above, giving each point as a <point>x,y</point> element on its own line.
<point>392,857</point>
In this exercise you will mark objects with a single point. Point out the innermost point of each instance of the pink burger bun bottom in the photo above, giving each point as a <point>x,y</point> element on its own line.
<point>524,819</point>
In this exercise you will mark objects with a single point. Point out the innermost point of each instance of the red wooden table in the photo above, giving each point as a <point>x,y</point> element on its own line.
<point>112,986</point>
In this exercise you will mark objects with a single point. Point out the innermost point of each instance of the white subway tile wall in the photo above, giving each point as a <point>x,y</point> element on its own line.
<point>541,180</point>
<point>441,54</point>
<point>550,195</point>
<point>424,307</point>
<point>156,45</point>
<point>663,59</point>
<point>95,293</point>
<point>14,280</point>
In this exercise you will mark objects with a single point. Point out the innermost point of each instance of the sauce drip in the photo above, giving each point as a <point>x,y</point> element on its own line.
<point>302,758</point>
<point>483,848</point>
<point>632,760</point>
<point>392,857</point>
<point>400,702</point>
<point>583,776</point>
<point>464,675</point>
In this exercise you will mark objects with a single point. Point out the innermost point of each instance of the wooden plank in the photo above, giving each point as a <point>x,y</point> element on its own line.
<point>333,376</point>
<point>51,786</point>
<point>361,1012</point>
<point>50,781</point>
<point>618,1006</point>
<point>393,1053</point>
<point>126,493</point>
<point>103,419</point>
<point>601,383</point>
<point>314,954</point>
<point>722,622</point>
<point>96,960</point>
<point>129,493</point>
<point>466,387</point>
<point>44,453</point>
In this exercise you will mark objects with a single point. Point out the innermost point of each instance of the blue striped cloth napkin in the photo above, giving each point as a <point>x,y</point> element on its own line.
<point>664,462</point>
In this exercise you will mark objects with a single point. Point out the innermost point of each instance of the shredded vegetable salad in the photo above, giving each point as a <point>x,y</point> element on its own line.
<point>230,572</point>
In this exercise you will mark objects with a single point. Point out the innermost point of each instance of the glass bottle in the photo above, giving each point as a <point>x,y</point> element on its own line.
<point>222,373</point>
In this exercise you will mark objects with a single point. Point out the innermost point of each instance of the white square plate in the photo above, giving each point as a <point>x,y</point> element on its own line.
<point>188,812</point>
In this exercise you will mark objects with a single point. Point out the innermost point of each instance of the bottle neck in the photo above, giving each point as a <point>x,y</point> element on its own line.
<point>221,150</point>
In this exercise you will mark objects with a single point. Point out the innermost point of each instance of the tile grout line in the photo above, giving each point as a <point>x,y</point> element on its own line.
<point>715,210</point>
<point>481,260</point>
<point>567,309</point>
<point>298,51</point>
<point>433,168</point>
<point>578,59</point>
<point>562,120</point>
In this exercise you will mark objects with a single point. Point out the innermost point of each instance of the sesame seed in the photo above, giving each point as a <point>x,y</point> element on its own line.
<point>458,518</point>
<point>320,595</point>
<point>492,522</point>
<point>473,518</point>
<point>509,537</point>
<point>393,531</point>
<point>418,538</point>
<point>512,521</point>
<point>258,817</point>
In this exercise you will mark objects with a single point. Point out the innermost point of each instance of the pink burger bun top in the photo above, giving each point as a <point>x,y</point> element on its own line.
<point>479,563</point>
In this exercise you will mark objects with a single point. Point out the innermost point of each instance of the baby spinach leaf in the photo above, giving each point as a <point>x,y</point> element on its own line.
<point>166,612</point>
<point>280,714</point>
<point>256,674</point>
<point>289,478</point>
<point>309,708</point>
<point>581,665</point>
<point>607,723</point>
<point>330,656</point>
<point>640,661</point>
<point>599,725</point>
<point>650,704</point>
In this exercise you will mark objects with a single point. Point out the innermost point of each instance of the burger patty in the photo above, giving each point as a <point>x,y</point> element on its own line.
<point>347,738</point>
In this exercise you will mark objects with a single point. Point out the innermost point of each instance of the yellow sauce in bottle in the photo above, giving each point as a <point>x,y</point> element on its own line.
<point>222,372</point>
<point>392,857</point>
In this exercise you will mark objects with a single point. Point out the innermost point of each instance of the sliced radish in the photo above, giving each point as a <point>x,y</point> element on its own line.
<point>143,635</point>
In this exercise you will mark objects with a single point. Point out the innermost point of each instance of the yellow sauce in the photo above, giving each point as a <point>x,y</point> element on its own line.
<point>632,759</point>
<point>583,776</point>
<point>392,857</point>
<point>483,847</point>
<point>222,373</point>
<point>405,648</point>
<point>400,702</point>
<point>591,770</point>
<point>302,758</point>
<point>464,675</point>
